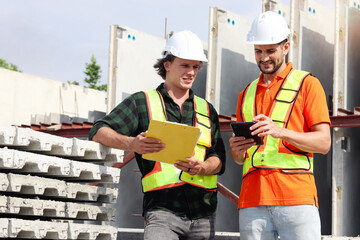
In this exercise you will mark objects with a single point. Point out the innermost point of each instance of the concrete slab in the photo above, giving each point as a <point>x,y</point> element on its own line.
<point>31,140</point>
<point>4,227</point>
<point>94,172</point>
<point>43,142</point>
<point>19,228</point>
<point>7,135</point>
<point>23,206</point>
<point>3,204</point>
<point>27,162</point>
<point>26,184</point>
<point>55,209</point>
<point>4,182</point>
<point>89,212</point>
<point>35,207</point>
<point>94,151</point>
<point>54,166</point>
<point>83,192</point>
<point>98,232</point>
<point>6,158</point>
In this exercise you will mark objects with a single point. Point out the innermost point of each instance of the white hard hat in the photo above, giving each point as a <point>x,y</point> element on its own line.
<point>268,28</point>
<point>186,45</point>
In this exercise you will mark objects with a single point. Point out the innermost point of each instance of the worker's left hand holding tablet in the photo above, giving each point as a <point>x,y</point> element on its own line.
<point>141,144</point>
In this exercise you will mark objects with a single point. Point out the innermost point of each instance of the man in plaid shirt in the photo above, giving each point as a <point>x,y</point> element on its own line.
<point>185,208</point>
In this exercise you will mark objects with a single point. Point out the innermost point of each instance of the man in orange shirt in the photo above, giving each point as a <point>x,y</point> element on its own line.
<point>278,193</point>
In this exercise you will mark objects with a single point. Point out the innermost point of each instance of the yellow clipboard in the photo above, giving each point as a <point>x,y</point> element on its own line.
<point>179,139</point>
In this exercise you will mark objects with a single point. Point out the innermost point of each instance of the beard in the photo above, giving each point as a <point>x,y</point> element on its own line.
<point>276,67</point>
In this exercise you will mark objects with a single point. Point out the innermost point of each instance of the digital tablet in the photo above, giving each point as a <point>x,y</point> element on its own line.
<point>243,129</point>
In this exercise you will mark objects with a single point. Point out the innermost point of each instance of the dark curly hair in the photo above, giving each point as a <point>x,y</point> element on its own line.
<point>159,65</point>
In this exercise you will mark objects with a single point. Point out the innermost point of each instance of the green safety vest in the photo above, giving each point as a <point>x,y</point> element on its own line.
<point>164,175</point>
<point>268,155</point>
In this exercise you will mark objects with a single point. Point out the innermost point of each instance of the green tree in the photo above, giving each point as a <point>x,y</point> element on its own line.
<point>10,66</point>
<point>92,72</point>
<point>73,82</point>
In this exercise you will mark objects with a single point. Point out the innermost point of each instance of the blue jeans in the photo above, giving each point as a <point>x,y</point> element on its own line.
<point>298,222</point>
<point>163,225</point>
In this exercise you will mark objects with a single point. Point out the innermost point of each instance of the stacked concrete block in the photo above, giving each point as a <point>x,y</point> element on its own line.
<point>93,151</point>
<point>27,139</point>
<point>32,207</point>
<point>18,228</point>
<point>42,142</point>
<point>87,212</point>
<point>4,227</point>
<point>85,231</point>
<point>20,161</point>
<point>7,135</point>
<point>33,163</point>
<point>27,184</point>
<point>4,182</point>
<point>91,193</point>
<point>47,182</point>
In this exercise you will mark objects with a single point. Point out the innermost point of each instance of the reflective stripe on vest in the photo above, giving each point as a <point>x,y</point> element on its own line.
<point>164,175</point>
<point>268,156</point>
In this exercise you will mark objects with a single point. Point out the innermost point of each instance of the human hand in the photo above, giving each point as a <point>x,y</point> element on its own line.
<point>265,126</point>
<point>141,144</point>
<point>239,145</point>
<point>192,167</point>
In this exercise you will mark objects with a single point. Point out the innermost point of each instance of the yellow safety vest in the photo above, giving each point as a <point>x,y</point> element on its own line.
<point>164,175</point>
<point>268,155</point>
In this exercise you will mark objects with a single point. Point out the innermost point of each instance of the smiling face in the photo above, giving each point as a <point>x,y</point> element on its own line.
<point>271,58</point>
<point>181,73</point>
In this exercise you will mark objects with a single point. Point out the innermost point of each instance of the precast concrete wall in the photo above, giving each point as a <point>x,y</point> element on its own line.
<point>231,68</point>
<point>232,63</point>
<point>132,56</point>
<point>314,47</point>
<point>23,96</point>
<point>346,211</point>
<point>131,62</point>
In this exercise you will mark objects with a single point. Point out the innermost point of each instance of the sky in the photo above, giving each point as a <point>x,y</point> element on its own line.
<point>55,38</point>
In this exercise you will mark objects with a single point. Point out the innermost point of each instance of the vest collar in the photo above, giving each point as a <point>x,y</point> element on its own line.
<point>279,77</point>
